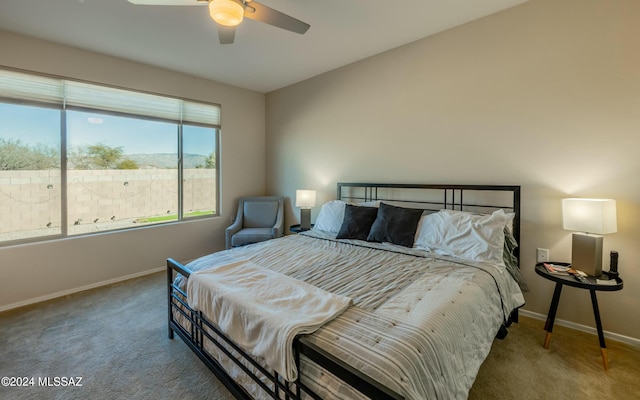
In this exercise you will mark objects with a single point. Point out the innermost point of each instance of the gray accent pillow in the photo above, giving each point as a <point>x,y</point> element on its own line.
<point>357,222</point>
<point>396,225</point>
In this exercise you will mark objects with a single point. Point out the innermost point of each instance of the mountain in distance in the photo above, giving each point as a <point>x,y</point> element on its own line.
<point>167,160</point>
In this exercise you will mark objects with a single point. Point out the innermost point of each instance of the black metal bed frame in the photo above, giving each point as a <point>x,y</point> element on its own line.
<point>201,330</point>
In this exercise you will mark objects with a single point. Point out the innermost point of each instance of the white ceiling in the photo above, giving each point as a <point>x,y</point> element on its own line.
<point>263,58</point>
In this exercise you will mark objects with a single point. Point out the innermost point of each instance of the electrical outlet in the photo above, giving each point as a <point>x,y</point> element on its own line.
<point>542,255</point>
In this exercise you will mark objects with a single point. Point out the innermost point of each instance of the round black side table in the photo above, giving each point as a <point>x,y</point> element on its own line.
<point>590,284</point>
<point>297,229</point>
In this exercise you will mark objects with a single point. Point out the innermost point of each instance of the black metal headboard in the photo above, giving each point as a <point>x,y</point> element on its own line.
<point>433,197</point>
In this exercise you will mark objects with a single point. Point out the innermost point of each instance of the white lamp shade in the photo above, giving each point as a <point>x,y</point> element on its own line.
<point>589,215</point>
<point>305,198</point>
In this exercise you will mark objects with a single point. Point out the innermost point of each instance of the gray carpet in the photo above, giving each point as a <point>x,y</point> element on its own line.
<point>115,338</point>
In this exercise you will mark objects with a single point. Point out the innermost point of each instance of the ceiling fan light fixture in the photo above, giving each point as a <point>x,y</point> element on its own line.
<point>226,12</point>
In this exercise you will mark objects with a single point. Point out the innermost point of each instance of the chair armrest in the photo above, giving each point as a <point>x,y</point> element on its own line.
<point>278,226</point>
<point>230,231</point>
<point>234,228</point>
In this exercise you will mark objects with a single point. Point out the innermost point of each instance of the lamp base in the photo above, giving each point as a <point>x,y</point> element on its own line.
<point>305,219</point>
<point>586,253</point>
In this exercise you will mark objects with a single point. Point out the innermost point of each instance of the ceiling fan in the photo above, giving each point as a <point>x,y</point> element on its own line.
<point>229,13</point>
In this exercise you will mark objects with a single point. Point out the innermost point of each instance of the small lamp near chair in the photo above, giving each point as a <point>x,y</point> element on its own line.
<point>589,219</point>
<point>305,200</point>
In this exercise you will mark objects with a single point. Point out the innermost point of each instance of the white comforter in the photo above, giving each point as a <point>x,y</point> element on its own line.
<point>261,310</point>
<point>420,325</point>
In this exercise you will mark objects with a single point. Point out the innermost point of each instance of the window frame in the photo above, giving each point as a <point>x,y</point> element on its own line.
<point>62,107</point>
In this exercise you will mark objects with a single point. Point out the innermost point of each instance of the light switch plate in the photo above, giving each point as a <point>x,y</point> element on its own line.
<point>542,255</point>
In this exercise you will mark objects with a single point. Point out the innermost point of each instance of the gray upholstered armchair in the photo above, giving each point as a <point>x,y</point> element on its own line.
<point>258,219</point>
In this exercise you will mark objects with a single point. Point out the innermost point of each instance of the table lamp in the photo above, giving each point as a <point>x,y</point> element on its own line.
<point>305,200</point>
<point>589,219</point>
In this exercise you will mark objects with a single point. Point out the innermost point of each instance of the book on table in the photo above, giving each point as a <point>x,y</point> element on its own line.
<point>557,269</point>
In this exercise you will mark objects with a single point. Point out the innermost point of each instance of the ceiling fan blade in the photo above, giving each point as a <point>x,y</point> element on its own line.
<point>256,11</point>
<point>169,2</point>
<point>226,34</point>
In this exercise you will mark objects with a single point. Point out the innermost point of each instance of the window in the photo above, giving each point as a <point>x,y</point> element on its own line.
<point>77,158</point>
<point>30,188</point>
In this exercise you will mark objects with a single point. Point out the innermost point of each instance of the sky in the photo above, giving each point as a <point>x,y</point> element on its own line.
<point>37,125</point>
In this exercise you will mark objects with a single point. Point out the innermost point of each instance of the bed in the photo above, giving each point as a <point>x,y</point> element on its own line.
<point>423,279</point>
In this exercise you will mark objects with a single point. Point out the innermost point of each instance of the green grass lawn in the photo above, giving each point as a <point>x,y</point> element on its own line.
<point>171,217</point>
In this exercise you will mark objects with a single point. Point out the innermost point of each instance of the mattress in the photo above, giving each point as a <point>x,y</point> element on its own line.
<point>420,324</point>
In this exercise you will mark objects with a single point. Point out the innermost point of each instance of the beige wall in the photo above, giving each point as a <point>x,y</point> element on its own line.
<point>545,95</point>
<point>36,271</point>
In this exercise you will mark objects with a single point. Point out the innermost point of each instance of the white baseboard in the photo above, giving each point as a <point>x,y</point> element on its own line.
<point>79,289</point>
<point>608,335</point>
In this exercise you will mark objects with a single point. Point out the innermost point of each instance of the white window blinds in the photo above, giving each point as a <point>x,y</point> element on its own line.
<point>21,86</point>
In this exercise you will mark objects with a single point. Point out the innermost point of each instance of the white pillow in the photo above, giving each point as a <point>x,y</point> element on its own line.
<point>331,216</point>
<point>508,217</point>
<point>464,235</point>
